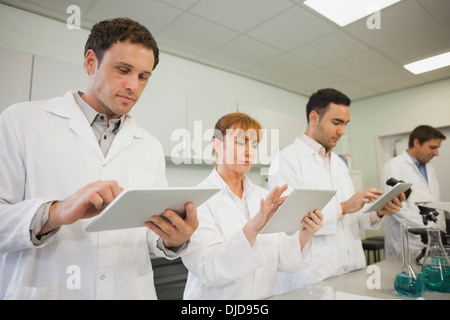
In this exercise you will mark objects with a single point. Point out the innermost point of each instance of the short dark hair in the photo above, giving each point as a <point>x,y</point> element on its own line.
<point>424,133</point>
<point>107,32</point>
<point>320,101</point>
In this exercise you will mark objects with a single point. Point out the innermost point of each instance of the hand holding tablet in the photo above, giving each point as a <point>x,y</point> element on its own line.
<point>381,202</point>
<point>133,208</point>
<point>298,204</point>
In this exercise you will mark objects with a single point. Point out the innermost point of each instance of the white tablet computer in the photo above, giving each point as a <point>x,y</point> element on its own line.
<point>132,208</point>
<point>298,204</point>
<point>388,196</point>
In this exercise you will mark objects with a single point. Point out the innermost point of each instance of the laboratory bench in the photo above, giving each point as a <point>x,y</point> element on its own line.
<point>171,276</point>
<point>356,285</point>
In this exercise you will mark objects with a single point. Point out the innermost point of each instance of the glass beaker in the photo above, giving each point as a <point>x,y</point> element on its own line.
<point>408,282</point>
<point>436,265</point>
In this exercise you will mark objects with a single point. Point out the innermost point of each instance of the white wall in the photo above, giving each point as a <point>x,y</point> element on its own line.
<point>394,113</point>
<point>47,38</point>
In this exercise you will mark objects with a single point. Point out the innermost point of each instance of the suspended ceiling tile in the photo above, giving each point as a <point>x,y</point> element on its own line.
<point>239,15</point>
<point>244,52</point>
<point>316,79</point>
<point>282,67</point>
<point>195,34</point>
<point>420,45</point>
<point>366,62</point>
<point>154,15</point>
<point>402,19</point>
<point>330,48</point>
<point>291,29</point>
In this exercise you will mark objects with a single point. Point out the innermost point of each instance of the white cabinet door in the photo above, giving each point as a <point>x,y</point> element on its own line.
<point>291,126</point>
<point>203,111</point>
<point>269,143</point>
<point>53,78</point>
<point>161,110</point>
<point>16,77</point>
<point>279,130</point>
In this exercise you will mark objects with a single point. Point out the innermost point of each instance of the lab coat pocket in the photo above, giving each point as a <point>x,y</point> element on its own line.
<point>145,288</point>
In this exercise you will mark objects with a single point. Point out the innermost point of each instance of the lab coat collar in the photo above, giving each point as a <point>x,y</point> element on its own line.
<point>67,107</point>
<point>408,159</point>
<point>248,197</point>
<point>306,148</point>
<point>302,145</point>
<point>217,180</point>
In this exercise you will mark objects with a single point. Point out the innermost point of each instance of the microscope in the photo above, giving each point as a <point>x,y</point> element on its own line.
<point>428,215</point>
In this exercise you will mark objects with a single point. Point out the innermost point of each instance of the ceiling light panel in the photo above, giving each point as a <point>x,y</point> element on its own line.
<point>429,64</point>
<point>344,12</point>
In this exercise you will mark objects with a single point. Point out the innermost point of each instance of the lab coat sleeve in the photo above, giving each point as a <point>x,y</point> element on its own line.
<point>217,261</point>
<point>15,212</point>
<point>293,258</point>
<point>155,243</point>
<point>368,220</point>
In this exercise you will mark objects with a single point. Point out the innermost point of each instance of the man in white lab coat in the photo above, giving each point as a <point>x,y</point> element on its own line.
<point>413,166</point>
<point>63,160</point>
<point>309,163</point>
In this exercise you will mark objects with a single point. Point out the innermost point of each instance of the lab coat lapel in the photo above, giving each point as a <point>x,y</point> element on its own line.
<point>66,107</point>
<point>254,204</point>
<point>408,160</point>
<point>310,152</point>
<point>217,181</point>
<point>124,137</point>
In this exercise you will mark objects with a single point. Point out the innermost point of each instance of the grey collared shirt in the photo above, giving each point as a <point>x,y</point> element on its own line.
<point>104,131</point>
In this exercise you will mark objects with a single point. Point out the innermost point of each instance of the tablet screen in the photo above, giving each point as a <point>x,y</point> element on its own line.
<point>132,208</point>
<point>388,196</point>
<point>298,204</point>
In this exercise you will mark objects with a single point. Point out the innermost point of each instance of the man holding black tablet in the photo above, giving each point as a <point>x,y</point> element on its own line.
<point>63,160</point>
<point>309,163</point>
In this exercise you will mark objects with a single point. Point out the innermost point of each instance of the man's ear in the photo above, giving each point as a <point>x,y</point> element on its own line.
<point>314,117</point>
<point>417,143</point>
<point>90,61</point>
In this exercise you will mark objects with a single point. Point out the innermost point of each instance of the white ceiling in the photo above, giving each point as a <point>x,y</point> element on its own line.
<point>283,42</point>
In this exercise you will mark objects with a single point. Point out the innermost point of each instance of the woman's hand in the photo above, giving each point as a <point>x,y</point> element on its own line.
<point>267,209</point>
<point>311,224</point>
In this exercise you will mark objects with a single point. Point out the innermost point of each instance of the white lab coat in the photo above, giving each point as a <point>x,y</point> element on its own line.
<point>337,245</point>
<point>48,152</point>
<point>403,168</point>
<point>222,264</point>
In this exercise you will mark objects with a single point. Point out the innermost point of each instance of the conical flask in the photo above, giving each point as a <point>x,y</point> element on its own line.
<point>436,265</point>
<point>408,282</point>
